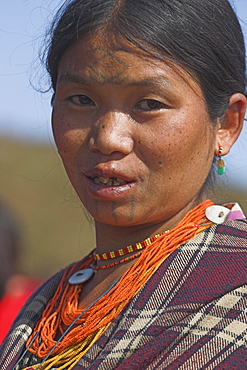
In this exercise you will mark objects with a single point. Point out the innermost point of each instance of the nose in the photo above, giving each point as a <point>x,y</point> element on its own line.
<point>111,133</point>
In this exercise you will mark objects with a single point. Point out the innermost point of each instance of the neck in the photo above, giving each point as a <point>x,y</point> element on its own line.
<point>113,237</point>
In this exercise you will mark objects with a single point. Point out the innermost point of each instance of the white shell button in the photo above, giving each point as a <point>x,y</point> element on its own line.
<point>81,276</point>
<point>217,214</point>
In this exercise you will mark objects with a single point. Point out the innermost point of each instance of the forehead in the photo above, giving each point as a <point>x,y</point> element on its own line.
<point>116,62</point>
<point>105,65</point>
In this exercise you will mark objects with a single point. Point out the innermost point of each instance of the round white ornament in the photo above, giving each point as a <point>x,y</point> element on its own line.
<point>81,276</point>
<point>217,214</point>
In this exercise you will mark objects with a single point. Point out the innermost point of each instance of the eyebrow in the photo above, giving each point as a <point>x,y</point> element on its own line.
<point>68,77</point>
<point>151,81</point>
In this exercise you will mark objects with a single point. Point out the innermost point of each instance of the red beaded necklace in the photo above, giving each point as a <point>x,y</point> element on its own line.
<point>123,251</point>
<point>126,250</point>
<point>116,262</point>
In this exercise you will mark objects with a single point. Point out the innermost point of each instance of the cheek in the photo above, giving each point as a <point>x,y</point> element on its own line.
<point>58,124</point>
<point>68,138</point>
<point>161,147</point>
<point>179,147</point>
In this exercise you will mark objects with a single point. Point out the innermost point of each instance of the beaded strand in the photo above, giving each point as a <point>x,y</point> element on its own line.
<point>98,317</point>
<point>117,262</point>
<point>126,250</point>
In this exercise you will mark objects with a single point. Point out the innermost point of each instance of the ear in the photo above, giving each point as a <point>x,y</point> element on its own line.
<point>231,125</point>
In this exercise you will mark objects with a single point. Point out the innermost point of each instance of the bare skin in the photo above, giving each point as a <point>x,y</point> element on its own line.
<point>136,141</point>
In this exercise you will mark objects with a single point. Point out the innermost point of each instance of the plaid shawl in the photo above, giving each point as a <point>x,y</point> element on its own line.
<point>191,314</point>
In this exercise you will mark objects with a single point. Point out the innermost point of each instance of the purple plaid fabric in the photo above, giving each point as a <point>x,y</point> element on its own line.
<point>192,313</point>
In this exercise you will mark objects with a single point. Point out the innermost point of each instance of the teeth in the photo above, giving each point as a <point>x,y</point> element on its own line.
<point>104,180</point>
<point>96,180</point>
<point>109,181</point>
<point>120,180</point>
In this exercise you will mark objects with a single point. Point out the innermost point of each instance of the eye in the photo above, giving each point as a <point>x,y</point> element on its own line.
<point>149,104</point>
<point>82,101</point>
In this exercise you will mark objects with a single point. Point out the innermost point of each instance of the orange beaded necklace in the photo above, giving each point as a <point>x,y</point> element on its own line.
<point>91,323</point>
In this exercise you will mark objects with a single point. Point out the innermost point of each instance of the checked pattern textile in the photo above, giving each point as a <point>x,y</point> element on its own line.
<point>191,314</point>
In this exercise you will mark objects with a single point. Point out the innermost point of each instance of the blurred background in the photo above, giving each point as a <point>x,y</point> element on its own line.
<point>53,228</point>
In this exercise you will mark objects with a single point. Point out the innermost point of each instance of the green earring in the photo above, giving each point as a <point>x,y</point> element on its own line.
<point>220,163</point>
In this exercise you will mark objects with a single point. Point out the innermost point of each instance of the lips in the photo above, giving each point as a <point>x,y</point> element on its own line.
<point>108,183</point>
<point>108,176</point>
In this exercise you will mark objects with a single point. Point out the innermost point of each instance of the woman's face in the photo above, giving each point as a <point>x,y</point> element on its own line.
<point>133,133</point>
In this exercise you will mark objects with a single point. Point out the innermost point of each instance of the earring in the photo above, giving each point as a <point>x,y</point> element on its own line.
<point>220,163</point>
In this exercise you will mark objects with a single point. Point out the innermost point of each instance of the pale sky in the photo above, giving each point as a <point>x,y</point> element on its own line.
<point>24,112</point>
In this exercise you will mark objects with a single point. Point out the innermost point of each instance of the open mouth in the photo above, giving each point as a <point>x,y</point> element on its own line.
<point>109,181</point>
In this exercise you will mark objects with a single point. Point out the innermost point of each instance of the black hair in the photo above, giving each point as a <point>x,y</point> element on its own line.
<point>204,37</point>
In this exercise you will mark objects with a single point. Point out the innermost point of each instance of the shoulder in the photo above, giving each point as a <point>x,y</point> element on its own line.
<point>233,232</point>
<point>228,219</point>
<point>25,321</point>
<point>35,305</point>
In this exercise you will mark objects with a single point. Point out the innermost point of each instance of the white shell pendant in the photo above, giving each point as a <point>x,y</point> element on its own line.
<point>81,276</point>
<point>217,214</point>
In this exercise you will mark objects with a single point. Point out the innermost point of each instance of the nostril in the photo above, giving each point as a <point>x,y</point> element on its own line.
<point>100,124</point>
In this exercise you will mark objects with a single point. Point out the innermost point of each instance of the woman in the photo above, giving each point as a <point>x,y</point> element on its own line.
<point>145,97</point>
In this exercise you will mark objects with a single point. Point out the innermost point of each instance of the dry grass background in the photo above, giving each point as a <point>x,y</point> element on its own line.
<point>54,228</point>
